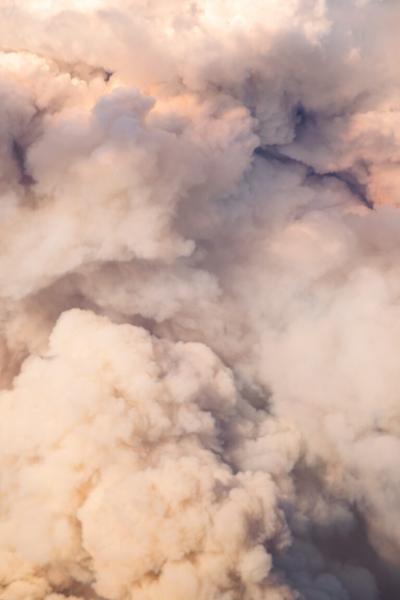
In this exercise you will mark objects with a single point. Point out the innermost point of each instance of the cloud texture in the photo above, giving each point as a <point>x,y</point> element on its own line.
<point>199,300</point>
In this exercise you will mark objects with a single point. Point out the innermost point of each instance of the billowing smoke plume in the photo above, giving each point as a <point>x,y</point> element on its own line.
<point>199,300</point>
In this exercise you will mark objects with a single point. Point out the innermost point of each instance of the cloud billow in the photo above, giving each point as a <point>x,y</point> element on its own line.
<point>199,300</point>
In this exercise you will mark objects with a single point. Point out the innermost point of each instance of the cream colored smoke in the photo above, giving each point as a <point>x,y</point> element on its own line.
<point>199,309</point>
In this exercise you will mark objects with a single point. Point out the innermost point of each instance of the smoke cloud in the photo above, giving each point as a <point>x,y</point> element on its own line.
<point>199,300</point>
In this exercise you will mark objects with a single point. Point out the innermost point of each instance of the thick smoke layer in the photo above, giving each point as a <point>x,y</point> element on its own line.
<point>199,300</point>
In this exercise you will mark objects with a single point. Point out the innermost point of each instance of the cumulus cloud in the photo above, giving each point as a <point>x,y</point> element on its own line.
<point>199,314</point>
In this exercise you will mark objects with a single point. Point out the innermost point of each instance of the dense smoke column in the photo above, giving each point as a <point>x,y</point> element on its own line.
<point>199,300</point>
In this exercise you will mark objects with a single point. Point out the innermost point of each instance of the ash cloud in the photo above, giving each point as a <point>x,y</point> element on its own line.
<point>199,311</point>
